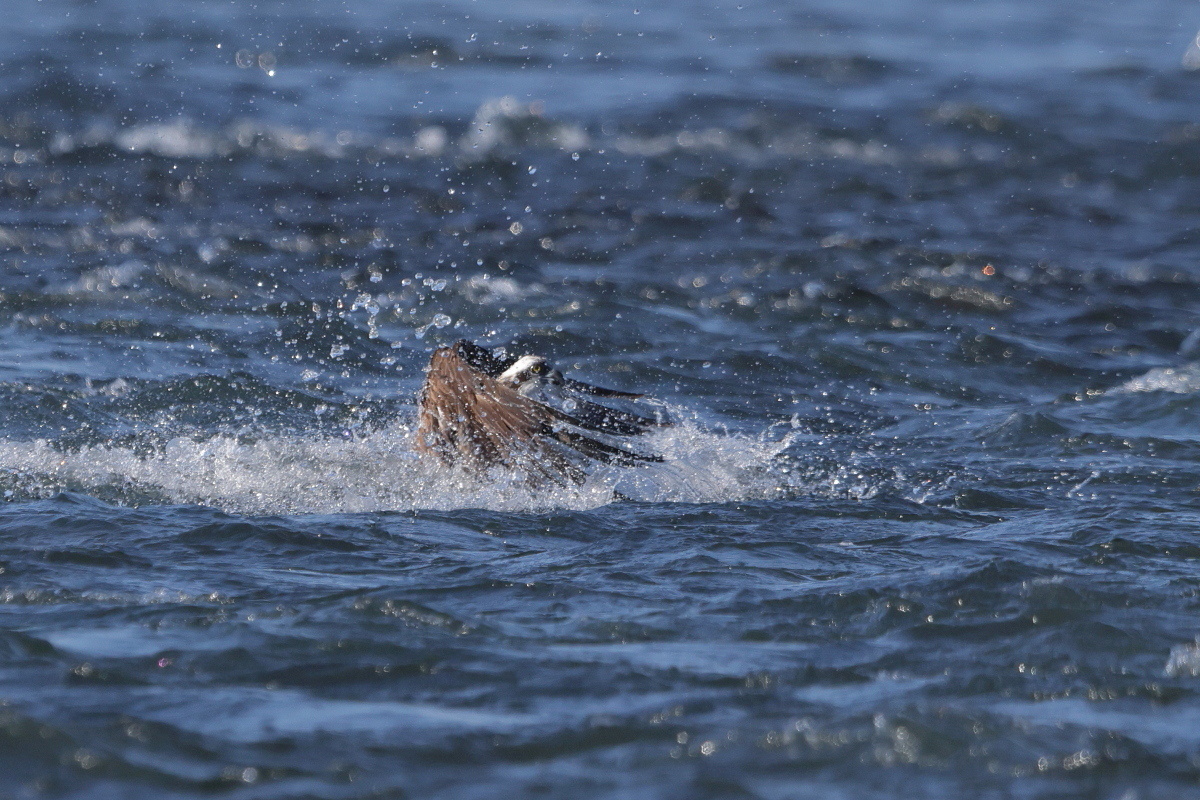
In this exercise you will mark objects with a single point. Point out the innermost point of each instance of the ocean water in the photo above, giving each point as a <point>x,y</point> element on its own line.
<point>918,280</point>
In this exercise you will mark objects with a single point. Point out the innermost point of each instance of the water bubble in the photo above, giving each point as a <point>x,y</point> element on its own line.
<point>441,321</point>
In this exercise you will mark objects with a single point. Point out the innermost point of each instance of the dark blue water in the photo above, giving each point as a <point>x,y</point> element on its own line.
<point>919,280</point>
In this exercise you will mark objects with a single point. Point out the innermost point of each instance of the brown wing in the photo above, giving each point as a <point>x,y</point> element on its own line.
<point>468,418</point>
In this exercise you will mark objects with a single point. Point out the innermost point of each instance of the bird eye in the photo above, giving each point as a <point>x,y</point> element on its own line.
<point>538,369</point>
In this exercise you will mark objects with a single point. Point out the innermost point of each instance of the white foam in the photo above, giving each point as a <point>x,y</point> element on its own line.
<point>1184,661</point>
<point>175,139</point>
<point>378,470</point>
<point>1184,379</point>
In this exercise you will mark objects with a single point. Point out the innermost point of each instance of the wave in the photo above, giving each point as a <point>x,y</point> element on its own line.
<point>499,126</point>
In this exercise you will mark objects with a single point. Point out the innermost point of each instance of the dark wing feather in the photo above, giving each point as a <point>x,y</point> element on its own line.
<point>599,391</point>
<point>603,419</point>
<point>481,358</point>
<point>603,452</point>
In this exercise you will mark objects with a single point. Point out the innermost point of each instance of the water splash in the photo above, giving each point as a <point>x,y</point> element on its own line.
<point>1184,379</point>
<point>374,471</point>
<point>1184,661</point>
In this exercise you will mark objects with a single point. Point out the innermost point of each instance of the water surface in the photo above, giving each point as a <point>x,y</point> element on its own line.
<point>917,280</point>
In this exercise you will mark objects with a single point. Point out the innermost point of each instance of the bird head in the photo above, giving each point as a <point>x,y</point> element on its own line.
<point>529,374</point>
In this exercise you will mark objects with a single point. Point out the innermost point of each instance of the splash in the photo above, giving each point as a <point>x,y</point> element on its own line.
<point>1183,379</point>
<point>374,471</point>
<point>1184,661</point>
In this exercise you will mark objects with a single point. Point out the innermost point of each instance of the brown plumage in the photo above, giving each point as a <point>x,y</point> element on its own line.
<point>476,412</point>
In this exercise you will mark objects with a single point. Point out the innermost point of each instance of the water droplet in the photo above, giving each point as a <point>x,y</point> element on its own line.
<point>441,321</point>
<point>533,170</point>
<point>574,156</point>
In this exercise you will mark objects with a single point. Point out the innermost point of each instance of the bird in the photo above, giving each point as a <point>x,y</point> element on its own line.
<point>478,410</point>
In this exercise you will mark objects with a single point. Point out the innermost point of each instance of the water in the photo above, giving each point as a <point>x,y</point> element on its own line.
<point>918,280</point>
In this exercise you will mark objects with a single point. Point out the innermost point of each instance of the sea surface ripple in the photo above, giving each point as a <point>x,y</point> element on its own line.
<point>918,281</point>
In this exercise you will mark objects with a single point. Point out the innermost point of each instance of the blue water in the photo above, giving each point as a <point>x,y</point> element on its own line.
<point>917,280</point>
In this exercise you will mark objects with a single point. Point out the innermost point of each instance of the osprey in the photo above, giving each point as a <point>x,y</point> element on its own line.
<point>479,410</point>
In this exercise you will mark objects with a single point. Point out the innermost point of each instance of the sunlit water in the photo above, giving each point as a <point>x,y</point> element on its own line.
<point>917,281</point>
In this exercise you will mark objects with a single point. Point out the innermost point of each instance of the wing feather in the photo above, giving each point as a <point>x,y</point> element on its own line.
<point>468,418</point>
